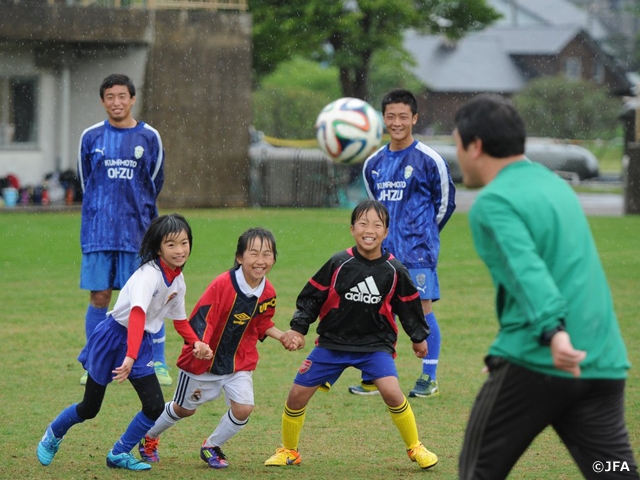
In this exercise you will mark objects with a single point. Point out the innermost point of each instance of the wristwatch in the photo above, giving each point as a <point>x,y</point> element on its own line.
<point>546,336</point>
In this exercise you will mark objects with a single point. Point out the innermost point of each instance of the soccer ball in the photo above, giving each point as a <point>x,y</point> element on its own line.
<point>348,130</point>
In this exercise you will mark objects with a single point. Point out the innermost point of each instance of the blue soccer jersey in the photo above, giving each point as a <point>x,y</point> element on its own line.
<point>121,171</point>
<point>416,187</point>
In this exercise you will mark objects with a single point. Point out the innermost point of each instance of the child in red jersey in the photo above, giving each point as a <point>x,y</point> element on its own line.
<point>232,315</point>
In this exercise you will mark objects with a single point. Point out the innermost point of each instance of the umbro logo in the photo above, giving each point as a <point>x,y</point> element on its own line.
<point>241,318</point>
<point>365,292</point>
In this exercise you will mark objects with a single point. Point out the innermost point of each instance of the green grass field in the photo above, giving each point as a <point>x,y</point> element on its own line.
<point>345,436</point>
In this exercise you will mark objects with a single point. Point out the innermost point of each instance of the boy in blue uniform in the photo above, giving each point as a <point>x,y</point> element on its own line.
<point>355,296</point>
<point>121,170</point>
<point>414,183</point>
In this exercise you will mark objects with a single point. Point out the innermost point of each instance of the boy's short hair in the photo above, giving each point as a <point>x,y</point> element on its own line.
<point>400,95</point>
<point>246,239</point>
<point>494,120</point>
<point>366,205</point>
<point>117,79</point>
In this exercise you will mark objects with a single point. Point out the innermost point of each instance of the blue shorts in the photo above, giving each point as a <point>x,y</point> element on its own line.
<point>325,366</point>
<point>107,270</point>
<point>426,281</point>
<point>107,348</point>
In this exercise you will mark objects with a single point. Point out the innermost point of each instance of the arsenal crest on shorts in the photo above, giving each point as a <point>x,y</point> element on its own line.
<point>306,365</point>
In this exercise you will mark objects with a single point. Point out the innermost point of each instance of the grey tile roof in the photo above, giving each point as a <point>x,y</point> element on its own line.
<point>547,12</point>
<point>483,61</point>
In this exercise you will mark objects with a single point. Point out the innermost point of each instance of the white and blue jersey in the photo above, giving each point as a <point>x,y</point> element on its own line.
<point>416,187</point>
<point>121,171</point>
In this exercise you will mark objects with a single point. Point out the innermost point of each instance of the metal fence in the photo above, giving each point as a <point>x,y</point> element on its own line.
<point>296,177</point>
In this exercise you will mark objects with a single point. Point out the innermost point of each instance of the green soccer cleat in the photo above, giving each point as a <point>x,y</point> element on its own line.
<point>162,372</point>
<point>284,457</point>
<point>425,387</point>
<point>214,457</point>
<point>126,461</point>
<point>364,389</point>
<point>422,456</point>
<point>48,447</point>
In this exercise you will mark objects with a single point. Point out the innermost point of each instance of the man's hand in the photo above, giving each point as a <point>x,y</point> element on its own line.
<point>565,357</point>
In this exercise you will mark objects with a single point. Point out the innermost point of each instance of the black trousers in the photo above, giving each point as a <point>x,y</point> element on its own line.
<point>515,404</point>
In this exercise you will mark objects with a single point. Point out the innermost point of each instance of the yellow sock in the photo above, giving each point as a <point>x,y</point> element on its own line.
<point>405,422</point>
<point>292,422</point>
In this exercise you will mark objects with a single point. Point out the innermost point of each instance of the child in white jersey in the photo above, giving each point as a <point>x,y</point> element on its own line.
<point>121,346</point>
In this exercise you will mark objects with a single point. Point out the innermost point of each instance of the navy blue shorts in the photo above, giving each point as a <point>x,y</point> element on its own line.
<point>325,366</point>
<point>107,348</point>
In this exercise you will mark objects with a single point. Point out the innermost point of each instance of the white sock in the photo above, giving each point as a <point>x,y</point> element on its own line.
<point>227,428</point>
<point>167,420</point>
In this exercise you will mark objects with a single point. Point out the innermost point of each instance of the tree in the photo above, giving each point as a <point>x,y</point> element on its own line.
<point>557,107</point>
<point>391,69</point>
<point>288,100</point>
<point>347,33</point>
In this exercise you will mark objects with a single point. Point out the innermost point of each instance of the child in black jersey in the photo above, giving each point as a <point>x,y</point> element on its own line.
<point>356,295</point>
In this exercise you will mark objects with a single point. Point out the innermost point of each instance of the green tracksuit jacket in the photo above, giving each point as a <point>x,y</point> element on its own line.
<point>530,230</point>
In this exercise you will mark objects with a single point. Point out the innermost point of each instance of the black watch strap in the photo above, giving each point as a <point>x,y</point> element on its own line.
<point>545,337</point>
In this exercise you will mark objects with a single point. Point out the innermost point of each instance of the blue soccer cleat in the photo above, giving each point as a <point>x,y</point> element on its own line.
<point>48,447</point>
<point>125,461</point>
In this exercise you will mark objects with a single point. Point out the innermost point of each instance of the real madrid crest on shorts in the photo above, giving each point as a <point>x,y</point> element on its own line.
<point>138,152</point>
<point>196,395</point>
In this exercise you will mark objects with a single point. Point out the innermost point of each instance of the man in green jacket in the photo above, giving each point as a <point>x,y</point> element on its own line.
<point>559,358</point>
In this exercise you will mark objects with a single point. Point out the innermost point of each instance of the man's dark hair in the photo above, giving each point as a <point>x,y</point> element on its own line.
<point>494,120</point>
<point>117,79</point>
<point>400,96</point>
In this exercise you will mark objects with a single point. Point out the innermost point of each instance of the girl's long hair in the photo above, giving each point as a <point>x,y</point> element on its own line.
<point>160,227</point>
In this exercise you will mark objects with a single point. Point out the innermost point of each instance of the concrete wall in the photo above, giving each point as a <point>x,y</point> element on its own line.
<point>192,70</point>
<point>199,98</point>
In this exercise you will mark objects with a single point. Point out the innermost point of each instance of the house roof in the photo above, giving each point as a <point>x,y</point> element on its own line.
<point>482,61</point>
<point>547,12</point>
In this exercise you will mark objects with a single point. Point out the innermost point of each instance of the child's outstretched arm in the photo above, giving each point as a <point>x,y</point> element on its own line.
<point>201,350</point>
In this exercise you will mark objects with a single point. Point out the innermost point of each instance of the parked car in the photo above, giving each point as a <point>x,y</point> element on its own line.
<point>572,162</point>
